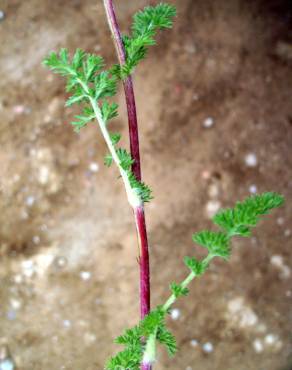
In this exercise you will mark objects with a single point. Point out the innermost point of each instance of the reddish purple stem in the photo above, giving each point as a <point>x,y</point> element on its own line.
<point>136,167</point>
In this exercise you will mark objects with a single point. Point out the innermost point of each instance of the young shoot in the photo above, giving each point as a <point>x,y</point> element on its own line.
<point>93,87</point>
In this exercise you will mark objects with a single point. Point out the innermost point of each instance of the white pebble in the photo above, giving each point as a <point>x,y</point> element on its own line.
<point>94,167</point>
<point>67,323</point>
<point>85,275</point>
<point>189,368</point>
<point>30,200</point>
<point>212,207</point>
<point>6,364</point>
<point>36,239</point>
<point>270,339</point>
<point>208,347</point>
<point>280,221</point>
<point>15,304</point>
<point>44,175</point>
<point>277,260</point>
<point>175,314</point>
<point>194,343</point>
<point>208,122</point>
<point>2,15</point>
<point>240,314</point>
<point>28,268</point>
<point>258,345</point>
<point>18,279</point>
<point>253,189</point>
<point>251,160</point>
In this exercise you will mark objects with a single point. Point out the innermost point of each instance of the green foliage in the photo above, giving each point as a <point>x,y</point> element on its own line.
<point>140,188</point>
<point>178,290</point>
<point>82,120</point>
<point>246,214</point>
<point>145,25</point>
<point>115,138</point>
<point>89,82</point>
<point>197,267</point>
<point>165,337</point>
<point>217,243</point>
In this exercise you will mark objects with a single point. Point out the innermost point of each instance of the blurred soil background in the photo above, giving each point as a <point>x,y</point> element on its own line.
<point>215,113</point>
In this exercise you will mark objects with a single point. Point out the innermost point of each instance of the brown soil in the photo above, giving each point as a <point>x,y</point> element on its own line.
<point>68,248</point>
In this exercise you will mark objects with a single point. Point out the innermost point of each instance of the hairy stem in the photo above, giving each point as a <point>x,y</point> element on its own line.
<point>136,167</point>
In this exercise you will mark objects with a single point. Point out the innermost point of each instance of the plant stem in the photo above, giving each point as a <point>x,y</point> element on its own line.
<point>149,354</point>
<point>136,167</point>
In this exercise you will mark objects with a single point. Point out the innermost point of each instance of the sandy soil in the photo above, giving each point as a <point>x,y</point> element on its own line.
<point>214,104</point>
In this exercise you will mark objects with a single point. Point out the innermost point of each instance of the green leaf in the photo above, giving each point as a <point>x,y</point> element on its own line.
<point>125,159</point>
<point>92,65</point>
<point>217,243</point>
<point>108,160</point>
<point>77,59</point>
<point>115,138</point>
<point>109,110</point>
<point>153,17</point>
<point>152,321</point>
<point>105,85</point>
<point>145,25</point>
<point>197,267</point>
<point>246,214</point>
<point>178,290</point>
<point>164,336</point>
<point>82,120</point>
<point>78,97</point>
<point>143,190</point>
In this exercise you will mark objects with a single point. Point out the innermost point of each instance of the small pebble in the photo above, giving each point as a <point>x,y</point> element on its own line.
<point>36,239</point>
<point>67,323</point>
<point>258,346</point>
<point>189,368</point>
<point>60,262</point>
<point>2,15</point>
<point>212,207</point>
<point>18,279</point>
<point>208,122</point>
<point>7,364</point>
<point>208,347</point>
<point>253,189</point>
<point>194,343</point>
<point>277,260</point>
<point>175,314</point>
<point>270,339</point>
<point>251,160</point>
<point>94,167</point>
<point>85,275</point>
<point>15,304</point>
<point>30,200</point>
<point>28,268</point>
<point>280,221</point>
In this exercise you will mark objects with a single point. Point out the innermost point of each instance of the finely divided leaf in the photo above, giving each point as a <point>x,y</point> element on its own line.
<point>246,214</point>
<point>217,243</point>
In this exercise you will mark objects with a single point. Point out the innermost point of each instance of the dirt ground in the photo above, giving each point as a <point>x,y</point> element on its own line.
<point>215,112</point>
